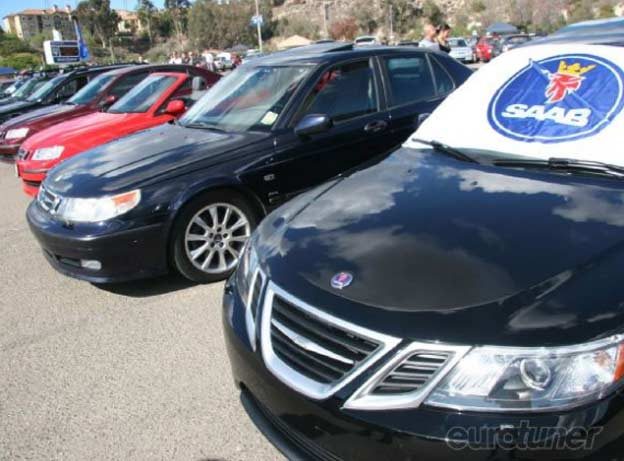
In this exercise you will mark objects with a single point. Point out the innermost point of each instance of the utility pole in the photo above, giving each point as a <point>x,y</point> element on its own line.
<point>259,25</point>
<point>391,24</point>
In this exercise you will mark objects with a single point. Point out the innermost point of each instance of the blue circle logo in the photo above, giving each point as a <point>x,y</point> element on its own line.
<point>558,99</point>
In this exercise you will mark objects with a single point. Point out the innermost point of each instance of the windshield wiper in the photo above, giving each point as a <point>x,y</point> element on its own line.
<point>203,126</point>
<point>447,150</point>
<point>566,165</point>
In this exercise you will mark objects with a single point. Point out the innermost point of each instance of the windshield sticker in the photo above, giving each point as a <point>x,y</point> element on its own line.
<point>269,118</point>
<point>558,99</point>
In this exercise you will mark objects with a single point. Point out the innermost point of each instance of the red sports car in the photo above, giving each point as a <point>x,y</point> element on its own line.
<point>159,98</point>
<point>100,93</point>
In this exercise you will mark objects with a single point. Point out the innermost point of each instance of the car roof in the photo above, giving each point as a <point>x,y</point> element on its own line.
<point>329,52</point>
<point>596,32</point>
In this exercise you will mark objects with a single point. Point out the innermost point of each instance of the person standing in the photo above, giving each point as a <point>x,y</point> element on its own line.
<point>209,60</point>
<point>429,37</point>
<point>444,32</point>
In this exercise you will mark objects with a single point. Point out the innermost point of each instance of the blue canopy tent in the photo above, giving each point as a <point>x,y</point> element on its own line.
<point>7,71</point>
<point>502,28</point>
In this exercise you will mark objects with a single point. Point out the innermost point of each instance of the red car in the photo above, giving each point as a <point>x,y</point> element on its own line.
<point>159,98</point>
<point>100,93</point>
<point>487,49</point>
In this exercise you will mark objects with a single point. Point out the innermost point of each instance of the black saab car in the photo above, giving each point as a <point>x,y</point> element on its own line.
<point>52,91</point>
<point>461,299</point>
<point>187,195</point>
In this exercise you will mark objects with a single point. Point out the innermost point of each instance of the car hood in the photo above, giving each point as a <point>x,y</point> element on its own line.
<point>16,106</point>
<point>82,132</point>
<point>446,250</point>
<point>144,158</point>
<point>56,110</point>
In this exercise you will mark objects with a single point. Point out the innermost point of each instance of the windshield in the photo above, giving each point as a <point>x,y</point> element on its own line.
<point>90,91</point>
<point>144,95</point>
<point>28,88</point>
<point>457,42</point>
<point>46,88</point>
<point>248,99</point>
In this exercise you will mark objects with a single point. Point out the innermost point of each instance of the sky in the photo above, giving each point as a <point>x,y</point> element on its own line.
<point>12,6</point>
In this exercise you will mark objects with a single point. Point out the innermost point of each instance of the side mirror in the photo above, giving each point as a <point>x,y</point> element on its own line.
<point>175,107</point>
<point>313,124</point>
<point>422,118</point>
<point>108,101</point>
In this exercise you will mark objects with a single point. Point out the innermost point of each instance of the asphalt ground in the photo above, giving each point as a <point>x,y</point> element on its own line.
<point>126,371</point>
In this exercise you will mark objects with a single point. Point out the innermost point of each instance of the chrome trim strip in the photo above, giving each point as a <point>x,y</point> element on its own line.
<point>293,378</point>
<point>250,321</point>
<point>363,400</point>
<point>307,344</point>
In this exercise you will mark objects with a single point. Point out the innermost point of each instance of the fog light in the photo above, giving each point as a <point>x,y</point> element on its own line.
<point>91,264</point>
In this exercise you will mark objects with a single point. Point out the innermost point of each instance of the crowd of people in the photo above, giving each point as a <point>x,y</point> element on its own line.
<point>436,37</point>
<point>205,59</point>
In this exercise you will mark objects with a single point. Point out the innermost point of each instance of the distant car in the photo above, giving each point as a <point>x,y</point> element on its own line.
<point>23,88</point>
<point>159,98</point>
<point>187,195</point>
<point>408,43</point>
<point>324,40</point>
<point>460,50</point>
<point>99,94</point>
<point>223,61</point>
<point>599,31</point>
<point>487,48</point>
<point>54,91</point>
<point>366,40</point>
<point>4,85</point>
<point>510,42</point>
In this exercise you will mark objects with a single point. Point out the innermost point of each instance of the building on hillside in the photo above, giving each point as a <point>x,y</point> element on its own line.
<point>28,23</point>
<point>129,22</point>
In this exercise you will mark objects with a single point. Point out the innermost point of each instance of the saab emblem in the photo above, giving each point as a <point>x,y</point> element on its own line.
<point>341,280</point>
<point>558,99</point>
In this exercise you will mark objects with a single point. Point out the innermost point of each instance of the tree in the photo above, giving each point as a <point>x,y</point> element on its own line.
<point>297,25</point>
<point>432,12</point>
<point>343,29</point>
<point>178,10</point>
<point>405,13</point>
<point>580,10</point>
<point>367,16</point>
<point>146,10</point>
<point>100,20</point>
<point>222,26</point>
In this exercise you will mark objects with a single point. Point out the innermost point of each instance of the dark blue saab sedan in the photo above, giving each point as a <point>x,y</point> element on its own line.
<point>461,299</point>
<point>188,195</point>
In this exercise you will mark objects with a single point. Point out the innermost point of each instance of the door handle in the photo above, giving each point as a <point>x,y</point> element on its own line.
<point>376,126</point>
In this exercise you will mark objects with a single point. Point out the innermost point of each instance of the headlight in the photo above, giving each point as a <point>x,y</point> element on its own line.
<point>98,209</point>
<point>249,281</point>
<point>48,153</point>
<point>17,133</point>
<point>510,379</point>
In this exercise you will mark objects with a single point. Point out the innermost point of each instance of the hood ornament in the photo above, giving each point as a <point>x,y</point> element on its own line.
<point>341,280</point>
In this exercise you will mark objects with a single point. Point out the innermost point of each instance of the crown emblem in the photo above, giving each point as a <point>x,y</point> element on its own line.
<point>574,70</point>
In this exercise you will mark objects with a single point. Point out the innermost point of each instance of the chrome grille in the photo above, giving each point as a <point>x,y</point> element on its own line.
<point>311,350</point>
<point>48,200</point>
<point>413,373</point>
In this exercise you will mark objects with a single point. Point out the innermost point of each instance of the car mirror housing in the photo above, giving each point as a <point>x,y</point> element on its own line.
<point>175,107</point>
<point>108,100</point>
<point>313,124</point>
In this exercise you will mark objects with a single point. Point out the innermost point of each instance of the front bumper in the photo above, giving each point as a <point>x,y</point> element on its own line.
<point>303,428</point>
<point>126,251</point>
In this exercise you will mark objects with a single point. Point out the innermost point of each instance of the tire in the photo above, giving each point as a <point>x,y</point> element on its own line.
<point>209,234</point>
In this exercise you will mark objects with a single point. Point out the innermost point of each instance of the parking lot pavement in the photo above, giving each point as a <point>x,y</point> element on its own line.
<point>136,371</point>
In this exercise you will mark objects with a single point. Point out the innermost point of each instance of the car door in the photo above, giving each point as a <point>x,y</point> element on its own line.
<point>415,85</point>
<point>349,94</point>
<point>67,89</point>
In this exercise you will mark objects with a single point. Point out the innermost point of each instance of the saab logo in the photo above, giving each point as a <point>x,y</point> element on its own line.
<point>558,99</point>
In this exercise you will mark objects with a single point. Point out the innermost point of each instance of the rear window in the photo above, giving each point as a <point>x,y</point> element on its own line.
<point>410,79</point>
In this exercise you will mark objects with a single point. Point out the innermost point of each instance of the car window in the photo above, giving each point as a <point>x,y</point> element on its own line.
<point>344,92</point>
<point>410,79</point>
<point>126,83</point>
<point>70,88</point>
<point>144,95</point>
<point>92,90</point>
<point>443,80</point>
